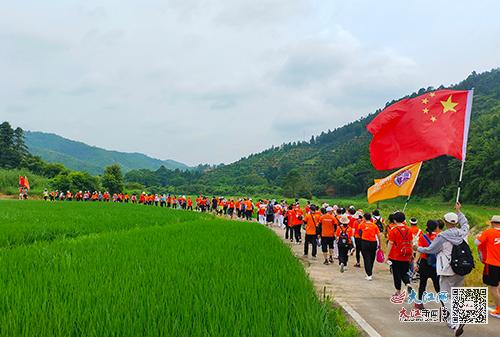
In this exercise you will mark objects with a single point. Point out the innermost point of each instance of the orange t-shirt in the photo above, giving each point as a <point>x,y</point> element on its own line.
<point>190,202</point>
<point>349,231</point>
<point>397,235</point>
<point>311,220</point>
<point>328,223</point>
<point>356,226</point>
<point>422,242</point>
<point>369,231</point>
<point>249,205</point>
<point>414,230</point>
<point>490,243</point>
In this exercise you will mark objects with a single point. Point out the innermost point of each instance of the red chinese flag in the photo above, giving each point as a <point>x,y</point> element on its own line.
<point>21,181</point>
<point>421,128</point>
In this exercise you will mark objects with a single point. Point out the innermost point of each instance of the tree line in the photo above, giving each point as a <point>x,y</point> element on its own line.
<point>14,154</point>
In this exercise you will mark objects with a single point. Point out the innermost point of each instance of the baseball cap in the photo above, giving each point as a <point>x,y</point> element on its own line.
<point>451,218</point>
<point>329,209</point>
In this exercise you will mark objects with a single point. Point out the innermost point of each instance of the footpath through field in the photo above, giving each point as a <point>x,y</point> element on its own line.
<point>367,302</point>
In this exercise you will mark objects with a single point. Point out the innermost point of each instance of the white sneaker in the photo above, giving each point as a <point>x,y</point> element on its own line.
<point>369,278</point>
<point>341,267</point>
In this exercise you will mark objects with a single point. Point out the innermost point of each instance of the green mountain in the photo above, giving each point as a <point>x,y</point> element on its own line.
<point>82,157</point>
<point>337,163</point>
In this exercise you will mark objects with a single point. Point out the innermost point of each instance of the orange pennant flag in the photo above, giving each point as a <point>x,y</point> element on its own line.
<point>26,182</point>
<point>397,184</point>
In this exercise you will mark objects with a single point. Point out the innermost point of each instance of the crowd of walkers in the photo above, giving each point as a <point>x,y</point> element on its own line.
<point>412,253</point>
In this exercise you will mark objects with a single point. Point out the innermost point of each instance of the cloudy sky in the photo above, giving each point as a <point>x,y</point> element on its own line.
<point>212,81</point>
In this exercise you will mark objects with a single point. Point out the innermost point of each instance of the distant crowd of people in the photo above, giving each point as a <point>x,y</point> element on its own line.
<point>412,253</point>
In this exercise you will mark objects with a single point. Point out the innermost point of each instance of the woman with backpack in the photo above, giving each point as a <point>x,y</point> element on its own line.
<point>345,241</point>
<point>400,252</point>
<point>426,263</point>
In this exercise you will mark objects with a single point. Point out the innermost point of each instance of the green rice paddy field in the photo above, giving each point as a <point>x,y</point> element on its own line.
<point>93,269</point>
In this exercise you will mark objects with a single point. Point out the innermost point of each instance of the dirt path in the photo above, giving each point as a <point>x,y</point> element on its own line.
<point>368,302</point>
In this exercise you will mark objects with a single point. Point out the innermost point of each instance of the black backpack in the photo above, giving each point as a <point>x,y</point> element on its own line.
<point>270,209</point>
<point>343,241</point>
<point>462,261</point>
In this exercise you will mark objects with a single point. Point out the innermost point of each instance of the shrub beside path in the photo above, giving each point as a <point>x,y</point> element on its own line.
<point>367,302</point>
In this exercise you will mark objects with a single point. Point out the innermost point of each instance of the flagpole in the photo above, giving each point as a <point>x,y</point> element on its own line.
<point>406,203</point>
<point>468,111</point>
<point>460,180</point>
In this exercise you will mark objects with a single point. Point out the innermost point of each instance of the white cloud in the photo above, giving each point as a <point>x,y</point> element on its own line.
<point>212,81</point>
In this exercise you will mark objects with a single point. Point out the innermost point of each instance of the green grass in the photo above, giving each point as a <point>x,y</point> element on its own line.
<point>34,221</point>
<point>125,270</point>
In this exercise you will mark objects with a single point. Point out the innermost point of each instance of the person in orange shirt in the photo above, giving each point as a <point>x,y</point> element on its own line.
<point>417,232</point>
<point>238,206</point>
<point>297,222</point>
<point>426,263</point>
<point>400,252</point>
<point>327,223</point>
<point>311,221</point>
<point>356,221</point>
<point>189,203</point>
<point>345,240</point>
<point>390,225</point>
<point>489,244</point>
<point>248,209</point>
<point>230,207</point>
<point>261,210</point>
<point>370,242</point>
<point>289,215</point>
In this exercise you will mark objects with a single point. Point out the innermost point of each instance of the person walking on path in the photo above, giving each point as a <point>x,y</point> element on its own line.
<point>443,246</point>
<point>345,241</point>
<point>270,213</point>
<point>370,242</point>
<point>327,224</point>
<point>248,209</point>
<point>426,263</point>
<point>311,221</point>
<point>400,252</point>
<point>489,245</point>
<point>356,223</point>
<point>297,221</point>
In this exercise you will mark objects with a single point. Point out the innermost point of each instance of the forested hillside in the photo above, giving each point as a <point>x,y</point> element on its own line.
<point>82,157</point>
<point>337,163</point>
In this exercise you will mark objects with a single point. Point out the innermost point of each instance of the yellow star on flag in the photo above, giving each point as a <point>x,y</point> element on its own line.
<point>433,119</point>
<point>432,94</point>
<point>448,105</point>
<point>425,101</point>
<point>426,111</point>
